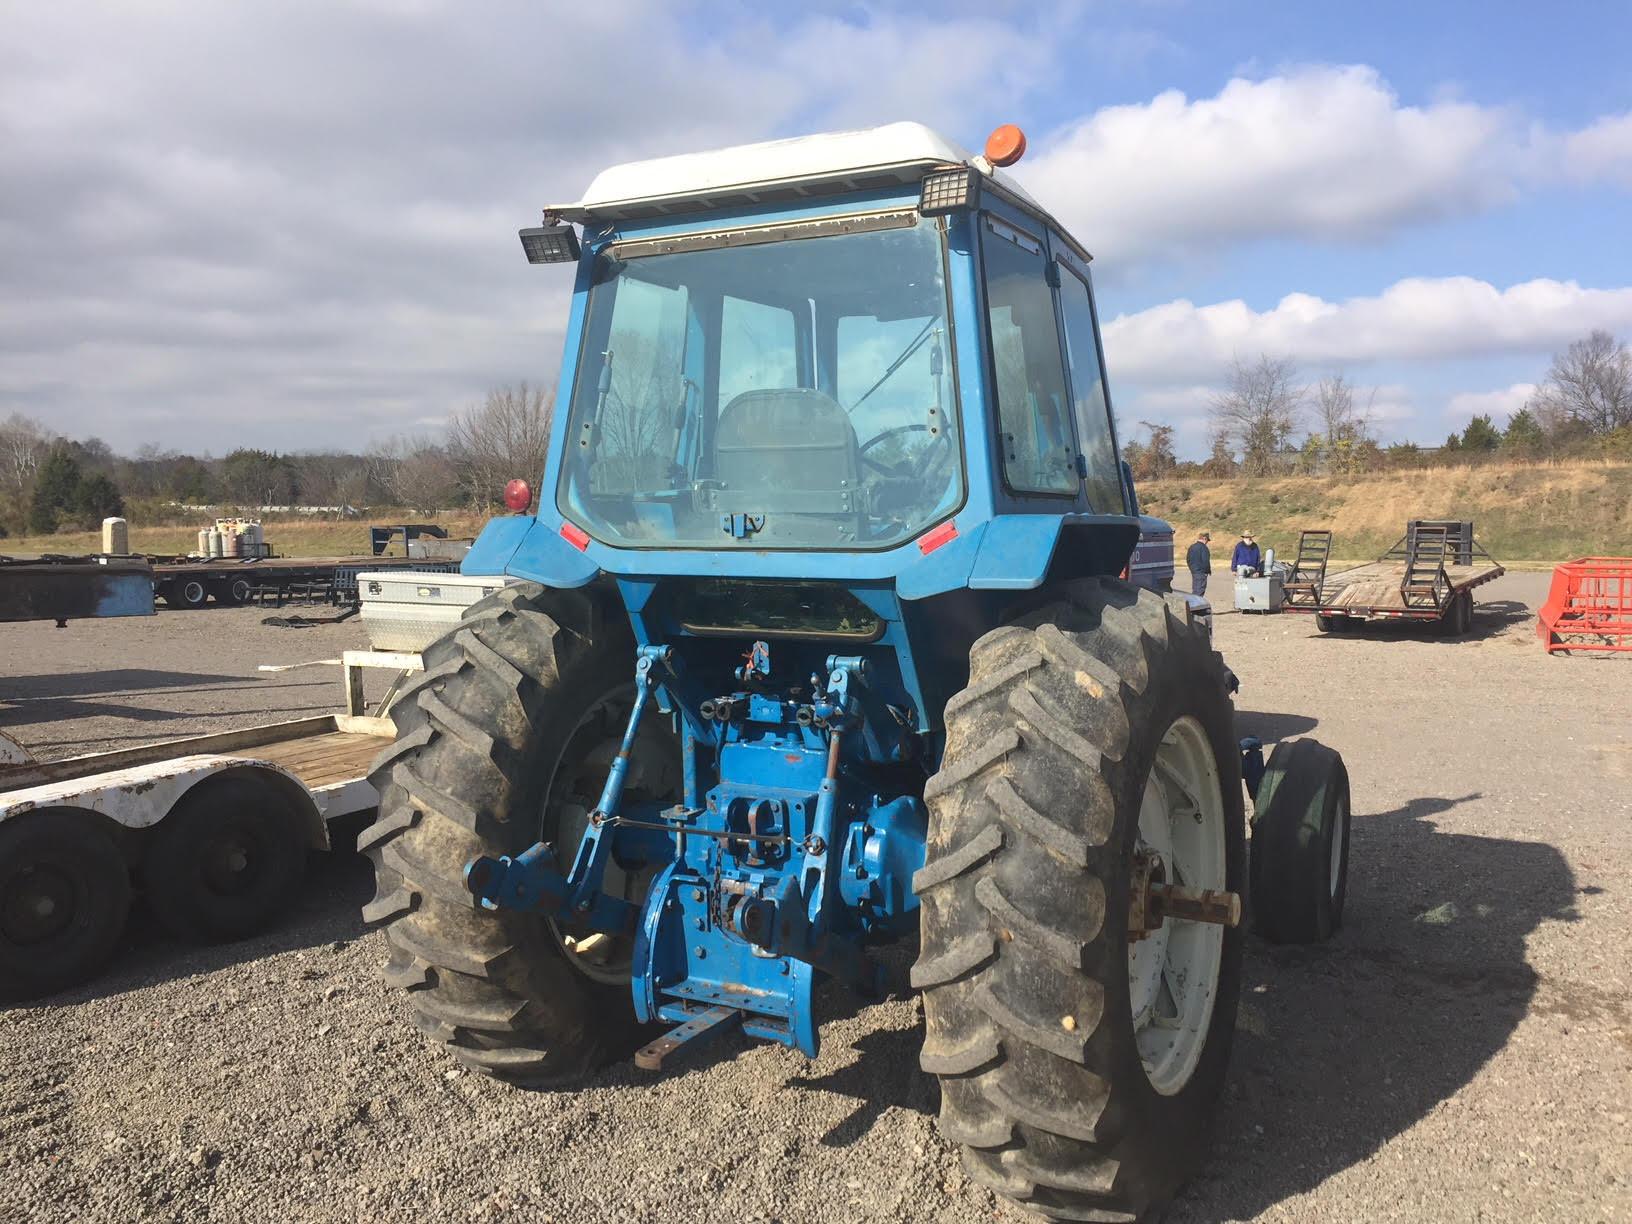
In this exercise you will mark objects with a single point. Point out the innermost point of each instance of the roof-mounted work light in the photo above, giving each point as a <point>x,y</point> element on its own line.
<point>948,191</point>
<point>550,244</point>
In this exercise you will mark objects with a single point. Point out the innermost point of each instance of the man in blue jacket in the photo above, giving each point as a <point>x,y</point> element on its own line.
<point>1200,561</point>
<point>1247,554</point>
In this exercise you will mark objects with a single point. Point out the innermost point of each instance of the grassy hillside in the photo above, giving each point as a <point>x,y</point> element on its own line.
<point>295,538</point>
<point>1536,514</point>
<point>1525,514</point>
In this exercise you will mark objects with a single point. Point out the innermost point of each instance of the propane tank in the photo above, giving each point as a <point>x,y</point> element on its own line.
<point>229,542</point>
<point>203,541</point>
<point>214,549</point>
<point>115,536</point>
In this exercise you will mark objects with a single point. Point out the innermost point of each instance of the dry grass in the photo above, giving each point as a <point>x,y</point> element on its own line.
<point>290,538</point>
<point>1525,513</point>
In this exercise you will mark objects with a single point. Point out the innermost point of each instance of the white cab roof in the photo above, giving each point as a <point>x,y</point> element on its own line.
<point>773,171</point>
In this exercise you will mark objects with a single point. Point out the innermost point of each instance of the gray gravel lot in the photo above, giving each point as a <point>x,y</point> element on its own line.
<point>1461,1051</point>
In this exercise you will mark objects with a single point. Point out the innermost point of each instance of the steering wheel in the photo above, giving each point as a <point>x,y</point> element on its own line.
<point>912,468</point>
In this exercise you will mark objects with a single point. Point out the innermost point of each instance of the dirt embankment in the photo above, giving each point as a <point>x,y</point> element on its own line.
<point>1540,514</point>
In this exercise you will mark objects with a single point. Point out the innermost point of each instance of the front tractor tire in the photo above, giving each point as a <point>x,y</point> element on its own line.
<point>502,742</point>
<point>1079,1069</point>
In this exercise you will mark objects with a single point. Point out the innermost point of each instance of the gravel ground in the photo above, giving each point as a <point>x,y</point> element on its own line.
<point>1461,1051</point>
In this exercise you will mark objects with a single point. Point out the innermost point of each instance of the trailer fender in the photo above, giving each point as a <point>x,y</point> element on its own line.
<point>143,795</point>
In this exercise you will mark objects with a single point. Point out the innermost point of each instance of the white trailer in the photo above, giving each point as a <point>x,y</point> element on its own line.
<point>212,831</point>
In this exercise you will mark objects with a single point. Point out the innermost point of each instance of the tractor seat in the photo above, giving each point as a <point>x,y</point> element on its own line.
<point>789,449</point>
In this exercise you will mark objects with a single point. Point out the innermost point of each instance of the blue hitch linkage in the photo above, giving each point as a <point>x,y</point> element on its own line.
<point>531,881</point>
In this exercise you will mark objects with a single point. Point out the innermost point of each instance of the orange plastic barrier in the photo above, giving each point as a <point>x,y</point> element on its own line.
<point>1589,606</point>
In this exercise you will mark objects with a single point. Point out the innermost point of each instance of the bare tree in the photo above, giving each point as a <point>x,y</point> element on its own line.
<point>23,444</point>
<point>1590,385</point>
<point>1259,411</point>
<point>416,472</point>
<point>506,436</point>
<point>1340,419</point>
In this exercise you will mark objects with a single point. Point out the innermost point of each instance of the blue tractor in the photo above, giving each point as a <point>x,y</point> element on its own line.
<point>818,643</point>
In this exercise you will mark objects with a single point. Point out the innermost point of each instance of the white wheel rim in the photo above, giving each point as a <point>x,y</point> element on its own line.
<point>1340,825</point>
<point>1173,972</point>
<point>193,592</point>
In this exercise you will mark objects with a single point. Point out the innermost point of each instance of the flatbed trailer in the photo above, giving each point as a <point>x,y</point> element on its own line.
<point>212,831</point>
<point>1429,575</point>
<point>74,588</point>
<point>233,580</point>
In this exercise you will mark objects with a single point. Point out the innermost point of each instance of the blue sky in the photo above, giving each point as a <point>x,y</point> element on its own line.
<point>292,224</point>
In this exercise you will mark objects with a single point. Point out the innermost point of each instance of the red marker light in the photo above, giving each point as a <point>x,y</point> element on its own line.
<point>575,535</point>
<point>518,495</point>
<point>935,537</point>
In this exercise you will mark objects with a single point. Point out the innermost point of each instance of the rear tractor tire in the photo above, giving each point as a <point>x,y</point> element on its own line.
<point>1300,844</point>
<point>504,740</point>
<point>1080,1069</point>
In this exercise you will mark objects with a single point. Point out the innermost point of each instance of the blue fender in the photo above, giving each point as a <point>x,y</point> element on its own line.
<point>523,547</point>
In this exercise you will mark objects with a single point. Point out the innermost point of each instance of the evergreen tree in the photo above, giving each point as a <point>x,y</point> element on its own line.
<point>97,498</point>
<point>54,490</point>
<point>1523,435</point>
<point>1481,435</point>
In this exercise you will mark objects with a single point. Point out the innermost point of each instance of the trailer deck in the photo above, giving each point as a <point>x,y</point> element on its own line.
<point>1374,589</point>
<point>321,751</point>
<point>1429,575</point>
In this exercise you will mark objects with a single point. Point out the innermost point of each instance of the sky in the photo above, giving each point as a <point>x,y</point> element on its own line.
<point>292,224</point>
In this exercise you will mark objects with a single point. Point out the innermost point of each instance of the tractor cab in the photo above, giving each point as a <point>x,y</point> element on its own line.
<point>860,343</point>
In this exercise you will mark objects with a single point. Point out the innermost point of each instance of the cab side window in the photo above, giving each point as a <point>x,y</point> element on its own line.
<point>1088,394</point>
<point>1034,413</point>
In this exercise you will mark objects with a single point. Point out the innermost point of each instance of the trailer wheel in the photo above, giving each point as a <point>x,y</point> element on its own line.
<point>185,593</point>
<point>64,896</point>
<point>1080,1071</point>
<point>232,592</point>
<point>1331,624</point>
<point>505,740</point>
<point>1458,618</point>
<point>1300,844</point>
<point>225,862</point>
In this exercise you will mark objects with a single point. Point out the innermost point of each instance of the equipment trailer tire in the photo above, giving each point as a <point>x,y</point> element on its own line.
<point>64,897</point>
<point>524,688</point>
<point>225,861</point>
<point>1074,718</point>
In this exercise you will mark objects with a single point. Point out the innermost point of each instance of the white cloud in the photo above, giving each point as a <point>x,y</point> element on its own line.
<point>294,224</point>
<point>1601,151</point>
<point>1322,153</point>
<point>1418,319</point>
<point>1498,405</point>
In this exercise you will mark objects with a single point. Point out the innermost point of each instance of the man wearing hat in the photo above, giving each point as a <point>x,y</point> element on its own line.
<point>1247,555</point>
<point>1200,560</point>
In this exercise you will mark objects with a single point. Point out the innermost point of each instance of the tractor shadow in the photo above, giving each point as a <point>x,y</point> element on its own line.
<point>1342,1047</point>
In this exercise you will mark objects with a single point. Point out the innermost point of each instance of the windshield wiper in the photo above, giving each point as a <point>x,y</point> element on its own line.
<point>906,355</point>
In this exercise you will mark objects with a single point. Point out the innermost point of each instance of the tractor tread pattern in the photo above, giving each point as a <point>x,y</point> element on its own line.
<point>491,985</point>
<point>1024,842</point>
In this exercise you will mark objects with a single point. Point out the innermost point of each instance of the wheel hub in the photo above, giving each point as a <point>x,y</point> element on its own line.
<point>38,904</point>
